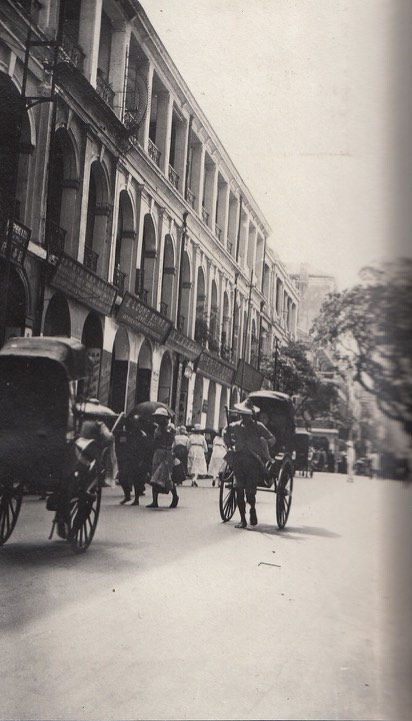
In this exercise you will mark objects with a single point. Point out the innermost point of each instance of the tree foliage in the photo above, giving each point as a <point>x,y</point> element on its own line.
<point>291,372</point>
<point>369,330</point>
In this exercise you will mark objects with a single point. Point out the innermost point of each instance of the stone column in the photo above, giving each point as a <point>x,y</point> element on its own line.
<point>118,57</point>
<point>182,139</point>
<point>146,70</point>
<point>195,265</point>
<point>89,36</point>
<point>198,170</point>
<point>211,194</point>
<point>164,128</point>
<point>223,212</point>
<point>162,230</point>
<point>85,172</point>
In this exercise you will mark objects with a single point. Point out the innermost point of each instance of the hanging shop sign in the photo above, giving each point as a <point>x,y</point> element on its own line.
<point>19,241</point>
<point>247,377</point>
<point>216,369</point>
<point>143,319</point>
<point>180,343</point>
<point>80,283</point>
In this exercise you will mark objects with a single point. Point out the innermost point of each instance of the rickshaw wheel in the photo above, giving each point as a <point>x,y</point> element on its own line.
<point>227,495</point>
<point>11,494</point>
<point>284,493</point>
<point>84,509</point>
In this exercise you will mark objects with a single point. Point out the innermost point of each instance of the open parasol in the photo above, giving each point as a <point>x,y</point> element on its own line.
<point>147,408</point>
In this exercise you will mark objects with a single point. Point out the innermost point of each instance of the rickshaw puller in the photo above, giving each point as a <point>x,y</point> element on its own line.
<point>250,441</point>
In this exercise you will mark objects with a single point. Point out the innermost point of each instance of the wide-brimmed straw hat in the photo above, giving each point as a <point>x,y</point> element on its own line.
<point>246,407</point>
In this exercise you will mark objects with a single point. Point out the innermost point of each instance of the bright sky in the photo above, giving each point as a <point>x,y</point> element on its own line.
<point>298,93</point>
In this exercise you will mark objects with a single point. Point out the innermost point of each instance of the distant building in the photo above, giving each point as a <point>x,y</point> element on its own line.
<point>313,286</point>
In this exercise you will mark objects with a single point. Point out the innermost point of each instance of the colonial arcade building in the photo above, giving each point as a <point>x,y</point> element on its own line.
<point>124,222</point>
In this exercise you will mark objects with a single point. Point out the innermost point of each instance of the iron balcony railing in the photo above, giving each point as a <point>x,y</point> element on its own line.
<point>104,90</point>
<point>190,197</point>
<point>154,153</point>
<point>90,259</point>
<point>73,50</point>
<point>56,238</point>
<point>118,280</point>
<point>173,177</point>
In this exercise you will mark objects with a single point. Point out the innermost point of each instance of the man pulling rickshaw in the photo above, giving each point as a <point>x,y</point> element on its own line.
<point>249,443</point>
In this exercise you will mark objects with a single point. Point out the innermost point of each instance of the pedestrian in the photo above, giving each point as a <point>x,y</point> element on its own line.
<point>217,459</point>
<point>375,463</point>
<point>126,457</point>
<point>141,452</point>
<point>350,460</point>
<point>162,465</point>
<point>250,442</point>
<point>180,447</point>
<point>197,452</point>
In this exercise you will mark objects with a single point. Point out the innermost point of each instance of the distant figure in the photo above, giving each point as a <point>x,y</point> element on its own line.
<point>350,460</point>
<point>180,446</point>
<point>375,464</point>
<point>217,460</point>
<point>331,462</point>
<point>196,457</point>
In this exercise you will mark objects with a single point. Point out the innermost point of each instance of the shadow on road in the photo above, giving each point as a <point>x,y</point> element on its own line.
<point>290,531</point>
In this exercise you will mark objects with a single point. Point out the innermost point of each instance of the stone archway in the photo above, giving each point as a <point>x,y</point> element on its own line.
<point>147,261</point>
<point>144,372</point>
<point>92,339</point>
<point>57,320</point>
<point>118,374</point>
<point>164,392</point>
<point>169,270</point>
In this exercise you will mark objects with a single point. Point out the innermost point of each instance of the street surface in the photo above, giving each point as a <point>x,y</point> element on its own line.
<point>172,614</point>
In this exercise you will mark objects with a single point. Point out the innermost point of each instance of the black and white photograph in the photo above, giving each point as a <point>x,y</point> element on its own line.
<point>205,360</point>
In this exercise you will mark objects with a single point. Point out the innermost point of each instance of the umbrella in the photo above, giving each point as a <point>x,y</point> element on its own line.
<point>147,408</point>
<point>93,407</point>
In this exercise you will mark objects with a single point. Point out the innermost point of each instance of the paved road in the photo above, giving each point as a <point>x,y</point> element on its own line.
<point>172,614</point>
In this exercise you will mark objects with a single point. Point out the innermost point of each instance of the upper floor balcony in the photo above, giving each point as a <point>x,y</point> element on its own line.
<point>154,153</point>
<point>119,280</point>
<point>190,197</point>
<point>55,238</point>
<point>73,50</point>
<point>173,177</point>
<point>90,259</point>
<point>104,90</point>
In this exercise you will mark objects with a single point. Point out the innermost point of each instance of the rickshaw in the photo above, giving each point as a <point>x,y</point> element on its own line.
<point>302,454</point>
<point>40,441</point>
<point>276,411</point>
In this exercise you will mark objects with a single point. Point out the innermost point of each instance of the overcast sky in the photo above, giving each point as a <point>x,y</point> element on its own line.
<point>298,92</point>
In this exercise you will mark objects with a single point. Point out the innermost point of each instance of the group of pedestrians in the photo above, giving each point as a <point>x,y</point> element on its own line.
<point>151,450</point>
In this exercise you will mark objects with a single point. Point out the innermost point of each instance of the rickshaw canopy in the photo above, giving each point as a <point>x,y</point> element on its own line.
<point>69,353</point>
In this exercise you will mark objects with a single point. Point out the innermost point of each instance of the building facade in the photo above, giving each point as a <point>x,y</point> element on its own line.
<point>124,222</point>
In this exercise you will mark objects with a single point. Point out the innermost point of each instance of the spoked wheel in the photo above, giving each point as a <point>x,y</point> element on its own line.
<point>284,493</point>
<point>84,509</point>
<point>227,495</point>
<point>11,494</point>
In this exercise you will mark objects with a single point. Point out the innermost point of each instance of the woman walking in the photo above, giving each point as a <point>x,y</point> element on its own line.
<point>196,457</point>
<point>162,467</point>
<point>217,459</point>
